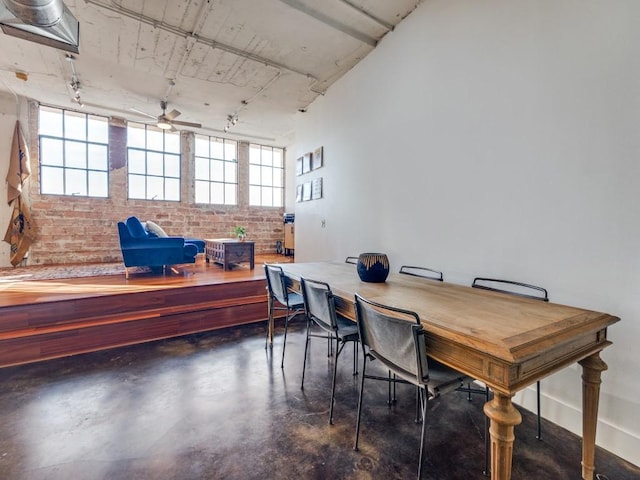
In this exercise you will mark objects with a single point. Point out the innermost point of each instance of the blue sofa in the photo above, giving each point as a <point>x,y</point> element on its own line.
<point>142,249</point>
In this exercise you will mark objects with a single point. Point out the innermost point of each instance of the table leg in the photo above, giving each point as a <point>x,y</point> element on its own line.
<point>270,320</point>
<point>592,368</point>
<point>504,417</point>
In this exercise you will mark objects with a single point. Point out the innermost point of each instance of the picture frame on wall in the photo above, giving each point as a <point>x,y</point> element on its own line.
<point>316,188</point>
<point>299,189</point>
<point>306,163</point>
<point>317,158</point>
<point>306,192</point>
<point>299,166</point>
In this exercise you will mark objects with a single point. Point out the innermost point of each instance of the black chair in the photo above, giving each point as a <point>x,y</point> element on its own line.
<point>353,260</point>
<point>421,272</point>
<point>321,310</point>
<point>522,290</point>
<point>280,298</point>
<point>397,339</point>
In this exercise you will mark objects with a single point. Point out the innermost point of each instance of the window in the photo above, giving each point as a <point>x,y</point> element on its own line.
<point>74,153</point>
<point>216,172</point>
<point>266,174</point>
<point>153,163</point>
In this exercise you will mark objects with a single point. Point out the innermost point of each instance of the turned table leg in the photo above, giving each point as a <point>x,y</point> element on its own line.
<point>592,368</point>
<point>270,320</point>
<point>504,417</point>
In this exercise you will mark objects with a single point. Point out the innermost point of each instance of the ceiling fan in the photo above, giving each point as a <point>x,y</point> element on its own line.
<point>165,121</point>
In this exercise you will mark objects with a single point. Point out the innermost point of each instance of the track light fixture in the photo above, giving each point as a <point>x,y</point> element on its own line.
<point>74,83</point>
<point>231,121</point>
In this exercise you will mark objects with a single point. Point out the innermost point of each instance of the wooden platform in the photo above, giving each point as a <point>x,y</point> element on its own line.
<point>54,318</point>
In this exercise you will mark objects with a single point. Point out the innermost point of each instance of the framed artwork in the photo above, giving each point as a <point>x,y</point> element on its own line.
<point>299,166</point>
<point>317,158</point>
<point>306,163</point>
<point>299,189</point>
<point>316,188</point>
<point>306,192</point>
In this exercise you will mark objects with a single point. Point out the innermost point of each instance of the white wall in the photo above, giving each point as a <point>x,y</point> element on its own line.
<point>497,138</point>
<point>10,109</point>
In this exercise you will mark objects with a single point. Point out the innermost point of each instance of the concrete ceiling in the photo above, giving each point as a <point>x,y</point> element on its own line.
<point>262,60</point>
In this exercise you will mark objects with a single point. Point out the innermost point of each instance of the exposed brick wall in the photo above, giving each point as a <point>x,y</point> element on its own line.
<point>84,230</point>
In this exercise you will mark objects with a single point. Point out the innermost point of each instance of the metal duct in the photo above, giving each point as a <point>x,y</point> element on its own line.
<point>48,22</point>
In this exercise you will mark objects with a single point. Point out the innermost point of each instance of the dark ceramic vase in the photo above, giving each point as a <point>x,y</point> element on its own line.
<point>373,267</point>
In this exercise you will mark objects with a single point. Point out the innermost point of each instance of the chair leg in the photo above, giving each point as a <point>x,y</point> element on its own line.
<point>360,399</point>
<point>423,403</point>
<point>270,322</point>
<point>539,435</point>
<point>487,440</point>
<point>355,358</point>
<point>306,347</point>
<point>284,343</point>
<point>333,382</point>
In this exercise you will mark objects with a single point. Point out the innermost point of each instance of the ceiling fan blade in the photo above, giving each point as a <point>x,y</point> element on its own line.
<point>186,124</point>
<point>172,114</point>
<point>133,109</point>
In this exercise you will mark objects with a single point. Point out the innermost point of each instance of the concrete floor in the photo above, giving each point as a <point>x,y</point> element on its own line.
<point>218,406</point>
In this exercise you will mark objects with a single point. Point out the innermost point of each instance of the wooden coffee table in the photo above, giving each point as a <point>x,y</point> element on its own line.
<point>229,252</point>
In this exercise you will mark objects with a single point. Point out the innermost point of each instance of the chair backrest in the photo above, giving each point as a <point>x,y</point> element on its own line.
<point>395,337</point>
<point>422,272</point>
<point>319,303</point>
<point>512,288</point>
<point>276,283</point>
<point>353,260</point>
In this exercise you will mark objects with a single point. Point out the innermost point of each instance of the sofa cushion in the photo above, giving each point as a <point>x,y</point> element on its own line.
<point>155,229</point>
<point>136,229</point>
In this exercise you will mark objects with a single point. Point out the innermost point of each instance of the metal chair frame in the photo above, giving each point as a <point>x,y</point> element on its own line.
<point>278,291</point>
<point>413,371</point>
<point>421,272</point>
<point>539,293</point>
<point>323,315</point>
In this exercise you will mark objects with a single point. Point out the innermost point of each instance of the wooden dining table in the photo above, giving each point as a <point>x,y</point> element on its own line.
<point>505,341</point>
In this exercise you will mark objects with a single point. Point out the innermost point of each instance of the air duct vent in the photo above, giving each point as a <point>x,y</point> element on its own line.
<point>48,22</point>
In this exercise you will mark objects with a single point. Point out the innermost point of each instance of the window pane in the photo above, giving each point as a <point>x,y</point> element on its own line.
<point>277,178</point>
<point>277,197</point>
<point>231,172</point>
<point>254,174</point>
<point>267,176</point>
<point>217,193</point>
<point>155,164</point>
<point>202,146</point>
<point>254,154</point>
<point>172,166</point>
<point>172,142</point>
<point>217,149</point>
<point>172,189</point>
<point>98,184</point>
<point>202,192</point>
<point>230,196</point>
<point>51,152</point>
<point>137,161</point>
<point>136,136</point>
<point>155,188</point>
<point>51,180</point>
<point>202,168</point>
<point>75,125</point>
<point>155,139</point>
<point>136,186</point>
<point>267,156</point>
<point>75,181</point>
<point>254,195</point>
<point>217,170</point>
<point>50,122</point>
<point>75,154</point>
<point>98,157</point>
<point>277,157</point>
<point>230,149</point>
<point>98,129</point>
<point>267,198</point>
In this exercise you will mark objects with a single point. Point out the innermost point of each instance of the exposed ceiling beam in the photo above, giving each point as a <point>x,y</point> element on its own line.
<point>352,32</point>
<point>361,10</point>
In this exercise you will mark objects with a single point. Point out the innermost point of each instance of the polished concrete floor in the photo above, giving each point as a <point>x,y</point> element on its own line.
<point>218,406</point>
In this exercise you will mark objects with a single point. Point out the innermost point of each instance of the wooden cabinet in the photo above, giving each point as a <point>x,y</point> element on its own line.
<point>289,238</point>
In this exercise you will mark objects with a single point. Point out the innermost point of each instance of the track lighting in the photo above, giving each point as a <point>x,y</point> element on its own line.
<point>231,121</point>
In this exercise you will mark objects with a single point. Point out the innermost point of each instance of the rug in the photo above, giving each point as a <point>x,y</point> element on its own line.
<point>48,272</point>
